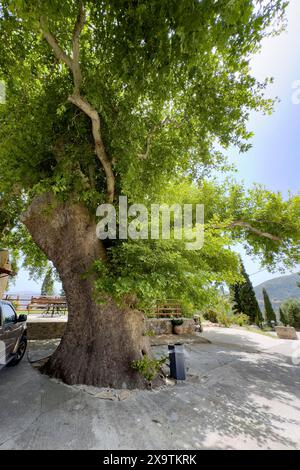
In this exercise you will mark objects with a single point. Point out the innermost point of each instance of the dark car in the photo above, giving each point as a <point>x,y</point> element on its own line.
<point>13,335</point>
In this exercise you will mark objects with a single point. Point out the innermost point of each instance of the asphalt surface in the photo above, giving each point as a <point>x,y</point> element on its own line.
<point>242,392</point>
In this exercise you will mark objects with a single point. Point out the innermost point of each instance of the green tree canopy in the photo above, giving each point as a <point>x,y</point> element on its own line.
<point>136,98</point>
<point>172,85</point>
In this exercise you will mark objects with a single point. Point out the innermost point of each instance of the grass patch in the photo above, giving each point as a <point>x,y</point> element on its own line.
<point>259,331</point>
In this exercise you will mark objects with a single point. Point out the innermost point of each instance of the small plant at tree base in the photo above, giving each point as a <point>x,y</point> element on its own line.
<point>148,367</point>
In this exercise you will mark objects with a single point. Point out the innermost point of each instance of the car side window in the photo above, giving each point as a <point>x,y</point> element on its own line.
<point>9,315</point>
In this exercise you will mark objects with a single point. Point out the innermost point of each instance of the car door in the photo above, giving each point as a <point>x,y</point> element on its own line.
<point>10,328</point>
<point>2,342</point>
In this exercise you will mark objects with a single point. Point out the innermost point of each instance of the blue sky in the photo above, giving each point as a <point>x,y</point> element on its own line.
<point>274,158</point>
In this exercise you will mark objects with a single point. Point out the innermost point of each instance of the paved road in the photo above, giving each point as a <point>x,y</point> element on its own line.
<point>243,392</point>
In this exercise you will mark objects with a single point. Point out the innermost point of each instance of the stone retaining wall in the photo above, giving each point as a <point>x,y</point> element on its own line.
<point>155,326</point>
<point>163,326</point>
<point>45,329</point>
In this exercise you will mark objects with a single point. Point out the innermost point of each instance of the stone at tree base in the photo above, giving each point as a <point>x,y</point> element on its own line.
<point>286,332</point>
<point>104,394</point>
<point>123,395</point>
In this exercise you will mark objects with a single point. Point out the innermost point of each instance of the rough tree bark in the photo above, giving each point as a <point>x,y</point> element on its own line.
<point>100,341</point>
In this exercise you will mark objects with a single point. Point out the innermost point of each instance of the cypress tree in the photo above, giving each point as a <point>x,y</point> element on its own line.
<point>282,317</point>
<point>244,299</point>
<point>269,311</point>
<point>48,283</point>
<point>235,298</point>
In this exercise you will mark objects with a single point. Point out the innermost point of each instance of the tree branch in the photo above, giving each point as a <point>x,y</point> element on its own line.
<point>247,226</point>
<point>91,112</point>
<point>145,155</point>
<point>59,53</point>
<point>166,121</point>
<point>74,65</point>
<point>76,47</point>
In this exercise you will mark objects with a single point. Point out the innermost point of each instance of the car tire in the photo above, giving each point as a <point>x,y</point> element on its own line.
<point>20,352</point>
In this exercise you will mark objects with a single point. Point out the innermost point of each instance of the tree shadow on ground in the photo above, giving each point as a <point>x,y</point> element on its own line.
<point>232,399</point>
<point>242,399</point>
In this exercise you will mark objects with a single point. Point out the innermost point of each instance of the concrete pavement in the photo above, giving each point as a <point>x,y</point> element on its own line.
<point>242,392</point>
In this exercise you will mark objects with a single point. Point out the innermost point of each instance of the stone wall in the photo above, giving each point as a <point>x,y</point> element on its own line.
<point>45,329</point>
<point>158,326</point>
<point>52,329</point>
<point>163,326</point>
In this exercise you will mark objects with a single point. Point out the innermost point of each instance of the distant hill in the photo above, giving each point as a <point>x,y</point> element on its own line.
<point>279,289</point>
<point>23,292</point>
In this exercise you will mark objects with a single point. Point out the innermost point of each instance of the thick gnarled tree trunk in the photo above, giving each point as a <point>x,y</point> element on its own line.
<point>100,341</point>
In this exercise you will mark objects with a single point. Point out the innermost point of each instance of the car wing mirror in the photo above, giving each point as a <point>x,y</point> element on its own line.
<point>22,318</point>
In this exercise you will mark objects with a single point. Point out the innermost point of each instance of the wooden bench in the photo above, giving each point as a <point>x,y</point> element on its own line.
<point>48,305</point>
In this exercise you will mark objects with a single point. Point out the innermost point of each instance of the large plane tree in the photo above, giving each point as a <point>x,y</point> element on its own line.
<point>137,98</point>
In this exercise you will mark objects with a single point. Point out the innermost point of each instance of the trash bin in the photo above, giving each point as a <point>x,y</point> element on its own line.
<point>177,365</point>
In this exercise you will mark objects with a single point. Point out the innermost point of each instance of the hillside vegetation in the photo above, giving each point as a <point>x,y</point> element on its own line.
<point>279,289</point>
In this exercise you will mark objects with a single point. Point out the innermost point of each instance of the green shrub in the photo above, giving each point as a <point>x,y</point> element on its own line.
<point>224,319</point>
<point>211,315</point>
<point>221,313</point>
<point>188,309</point>
<point>240,319</point>
<point>291,312</point>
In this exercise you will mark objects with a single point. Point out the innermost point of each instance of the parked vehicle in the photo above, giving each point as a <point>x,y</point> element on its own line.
<point>13,335</point>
